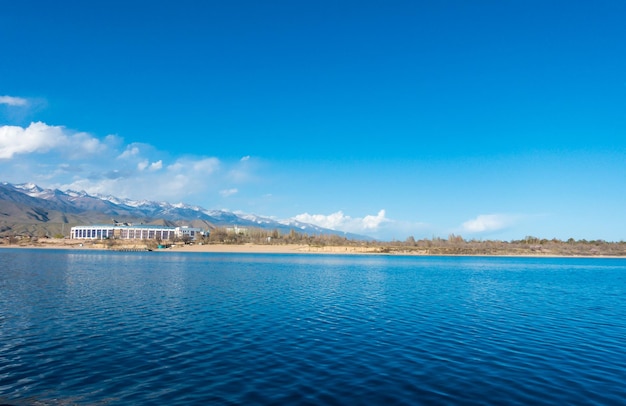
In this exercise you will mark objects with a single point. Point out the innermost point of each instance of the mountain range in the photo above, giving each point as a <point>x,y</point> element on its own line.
<point>27,209</point>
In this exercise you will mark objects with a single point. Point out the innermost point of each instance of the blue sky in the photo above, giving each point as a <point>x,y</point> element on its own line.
<point>488,119</point>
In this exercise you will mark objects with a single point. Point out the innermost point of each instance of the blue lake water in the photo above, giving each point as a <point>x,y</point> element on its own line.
<point>106,328</point>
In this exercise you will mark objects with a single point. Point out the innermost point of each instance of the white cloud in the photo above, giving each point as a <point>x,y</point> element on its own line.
<point>38,137</point>
<point>245,158</point>
<point>86,143</point>
<point>155,166</point>
<point>130,151</point>
<point>41,138</point>
<point>488,223</point>
<point>373,222</point>
<point>143,178</point>
<point>228,192</point>
<point>13,101</point>
<point>340,222</point>
<point>378,226</point>
<point>333,221</point>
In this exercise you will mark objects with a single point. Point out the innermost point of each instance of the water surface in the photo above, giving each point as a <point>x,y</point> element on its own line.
<point>196,328</point>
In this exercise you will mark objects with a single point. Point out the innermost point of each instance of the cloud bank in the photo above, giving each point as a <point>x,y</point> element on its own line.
<point>54,156</point>
<point>377,225</point>
<point>341,222</point>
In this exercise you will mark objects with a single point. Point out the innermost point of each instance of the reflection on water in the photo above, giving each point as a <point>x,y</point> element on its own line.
<point>155,328</point>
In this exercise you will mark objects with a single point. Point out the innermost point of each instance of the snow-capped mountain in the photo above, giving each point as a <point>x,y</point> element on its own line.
<point>28,201</point>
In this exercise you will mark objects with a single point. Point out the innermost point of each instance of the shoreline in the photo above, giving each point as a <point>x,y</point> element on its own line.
<point>211,248</point>
<point>249,248</point>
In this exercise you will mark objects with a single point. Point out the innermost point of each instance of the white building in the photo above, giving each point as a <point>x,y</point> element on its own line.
<point>237,230</point>
<point>130,232</point>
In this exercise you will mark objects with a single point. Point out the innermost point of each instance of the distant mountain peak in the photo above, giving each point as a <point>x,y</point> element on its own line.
<point>28,187</point>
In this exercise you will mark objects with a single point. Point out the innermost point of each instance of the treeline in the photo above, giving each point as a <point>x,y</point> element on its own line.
<point>453,245</point>
<point>457,245</point>
<point>223,235</point>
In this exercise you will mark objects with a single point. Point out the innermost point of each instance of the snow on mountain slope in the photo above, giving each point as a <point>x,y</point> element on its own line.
<point>70,201</point>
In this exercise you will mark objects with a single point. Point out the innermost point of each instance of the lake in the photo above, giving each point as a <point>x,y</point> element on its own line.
<point>110,328</point>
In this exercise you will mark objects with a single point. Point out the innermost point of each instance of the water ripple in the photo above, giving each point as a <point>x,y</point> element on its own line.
<point>252,329</point>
